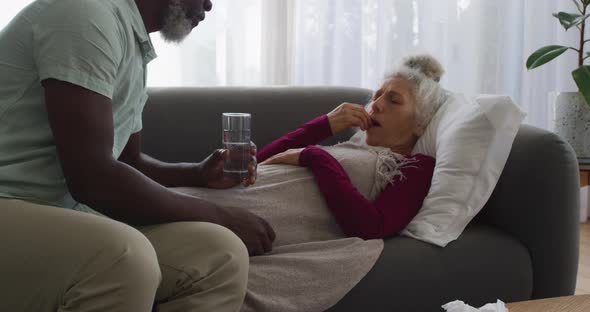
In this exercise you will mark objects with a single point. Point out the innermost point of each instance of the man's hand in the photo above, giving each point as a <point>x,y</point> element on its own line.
<point>349,115</point>
<point>254,231</point>
<point>289,157</point>
<point>211,170</point>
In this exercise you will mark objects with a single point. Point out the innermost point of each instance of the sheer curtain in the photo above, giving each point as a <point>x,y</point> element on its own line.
<point>225,49</point>
<point>483,45</point>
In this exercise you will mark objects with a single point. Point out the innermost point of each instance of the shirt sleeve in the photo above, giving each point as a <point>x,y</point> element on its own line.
<point>84,48</point>
<point>390,213</point>
<point>310,133</point>
<point>138,116</point>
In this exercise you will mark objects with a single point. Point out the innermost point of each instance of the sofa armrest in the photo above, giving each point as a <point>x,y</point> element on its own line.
<point>536,201</point>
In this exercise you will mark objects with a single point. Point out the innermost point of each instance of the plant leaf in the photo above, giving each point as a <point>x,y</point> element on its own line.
<point>566,19</point>
<point>580,20</point>
<point>577,5</point>
<point>544,55</point>
<point>582,78</point>
<point>569,20</point>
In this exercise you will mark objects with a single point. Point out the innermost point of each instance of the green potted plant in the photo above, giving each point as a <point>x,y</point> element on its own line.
<point>570,110</point>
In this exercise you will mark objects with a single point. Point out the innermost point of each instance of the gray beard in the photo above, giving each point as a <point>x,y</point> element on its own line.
<point>177,25</point>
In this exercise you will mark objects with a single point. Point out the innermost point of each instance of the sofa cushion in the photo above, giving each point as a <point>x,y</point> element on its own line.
<point>483,265</point>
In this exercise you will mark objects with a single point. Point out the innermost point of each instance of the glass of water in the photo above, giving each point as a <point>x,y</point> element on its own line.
<point>236,140</point>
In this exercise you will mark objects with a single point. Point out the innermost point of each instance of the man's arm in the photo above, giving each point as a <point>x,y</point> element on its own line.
<point>82,125</point>
<point>167,174</point>
<point>207,173</point>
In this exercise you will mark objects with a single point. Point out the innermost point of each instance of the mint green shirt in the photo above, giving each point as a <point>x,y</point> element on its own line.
<point>100,45</point>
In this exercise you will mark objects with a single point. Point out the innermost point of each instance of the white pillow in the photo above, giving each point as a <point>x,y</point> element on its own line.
<point>471,140</point>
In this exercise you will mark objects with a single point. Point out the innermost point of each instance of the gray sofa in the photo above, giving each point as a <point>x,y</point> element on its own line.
<point>523,245</point>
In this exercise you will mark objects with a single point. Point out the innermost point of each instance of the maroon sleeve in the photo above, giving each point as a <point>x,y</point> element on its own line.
<point>310,133</point>
<point>390,213</point>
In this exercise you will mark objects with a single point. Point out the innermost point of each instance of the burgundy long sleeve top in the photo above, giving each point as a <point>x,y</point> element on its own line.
<point>391,211</point>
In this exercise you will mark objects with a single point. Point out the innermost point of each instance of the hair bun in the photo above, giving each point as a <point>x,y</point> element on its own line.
<point>427,65</point>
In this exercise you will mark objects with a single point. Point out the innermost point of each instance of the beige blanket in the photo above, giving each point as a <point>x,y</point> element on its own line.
<point>313,265</point>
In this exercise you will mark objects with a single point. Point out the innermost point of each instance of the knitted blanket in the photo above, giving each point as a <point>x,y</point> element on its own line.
<point>313,264</point>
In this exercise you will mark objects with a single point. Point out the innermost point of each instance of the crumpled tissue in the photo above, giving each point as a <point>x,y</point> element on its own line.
<point>460,306</point>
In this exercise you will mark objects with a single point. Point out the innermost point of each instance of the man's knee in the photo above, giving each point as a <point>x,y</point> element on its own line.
<point>223,249</point>
<point>119,268</point>
<point>225,242</point>
<point>130,258</point>
<point>204,265</point>
<point>139,259</point>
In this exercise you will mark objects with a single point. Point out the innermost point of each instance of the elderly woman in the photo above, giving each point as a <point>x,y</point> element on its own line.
<point>329,206</point>
<point>397,116</point>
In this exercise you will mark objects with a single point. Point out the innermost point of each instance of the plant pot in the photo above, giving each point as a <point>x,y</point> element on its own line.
<point>571,120</point>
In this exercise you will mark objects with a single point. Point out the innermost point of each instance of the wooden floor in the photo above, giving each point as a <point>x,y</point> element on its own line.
<point>583,285</point>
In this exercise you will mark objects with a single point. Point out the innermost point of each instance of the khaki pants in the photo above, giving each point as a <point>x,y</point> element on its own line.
<point>54,259</point>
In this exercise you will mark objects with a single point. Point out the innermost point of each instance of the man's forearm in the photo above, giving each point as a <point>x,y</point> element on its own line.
<point>168,174</point>
<point>125,194</point>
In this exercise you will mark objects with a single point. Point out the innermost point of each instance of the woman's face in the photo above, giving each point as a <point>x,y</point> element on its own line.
<point>394,115</point>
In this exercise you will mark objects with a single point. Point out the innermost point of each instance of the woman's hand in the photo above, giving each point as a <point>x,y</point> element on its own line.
<point>289,157</point>
<point>349,115</point>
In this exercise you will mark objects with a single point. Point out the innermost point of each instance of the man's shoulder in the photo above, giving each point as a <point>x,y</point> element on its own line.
<point>80,13</point>
<point>95,20</point>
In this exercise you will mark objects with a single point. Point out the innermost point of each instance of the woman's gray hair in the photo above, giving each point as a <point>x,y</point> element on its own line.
<point>424,73</point>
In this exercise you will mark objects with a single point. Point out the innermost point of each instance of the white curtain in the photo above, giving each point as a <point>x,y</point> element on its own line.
<point>483,45</point>
<point>541,29</point>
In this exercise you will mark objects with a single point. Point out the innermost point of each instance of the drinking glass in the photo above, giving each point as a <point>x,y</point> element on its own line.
<point>236,140</point>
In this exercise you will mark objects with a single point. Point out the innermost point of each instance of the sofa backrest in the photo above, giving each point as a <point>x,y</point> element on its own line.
<point>184,124</point>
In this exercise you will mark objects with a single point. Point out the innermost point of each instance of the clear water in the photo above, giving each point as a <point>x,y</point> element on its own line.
<point>236,136</point>
<point>239,158</point>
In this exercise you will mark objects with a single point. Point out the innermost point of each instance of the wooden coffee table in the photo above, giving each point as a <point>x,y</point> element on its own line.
<point>560,304</point>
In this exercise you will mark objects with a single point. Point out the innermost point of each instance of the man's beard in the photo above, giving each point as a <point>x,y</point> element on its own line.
<point>177,24</point>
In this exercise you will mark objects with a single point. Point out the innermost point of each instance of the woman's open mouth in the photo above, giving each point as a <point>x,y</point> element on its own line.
<point>375,123</point>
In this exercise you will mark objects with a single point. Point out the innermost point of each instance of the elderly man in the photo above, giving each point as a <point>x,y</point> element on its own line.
<point>72,89</point>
